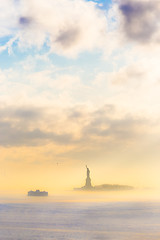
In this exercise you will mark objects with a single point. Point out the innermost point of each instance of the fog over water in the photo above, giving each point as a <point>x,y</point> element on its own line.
<point>109,216</point>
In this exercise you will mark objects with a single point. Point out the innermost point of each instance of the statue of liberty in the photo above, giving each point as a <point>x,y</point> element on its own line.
<point>88,172</point>
<point>88,179</point>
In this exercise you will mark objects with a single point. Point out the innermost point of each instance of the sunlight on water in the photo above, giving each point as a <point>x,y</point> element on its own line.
<point>80,216</point>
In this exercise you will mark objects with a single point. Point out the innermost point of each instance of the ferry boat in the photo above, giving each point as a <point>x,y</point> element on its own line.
<point>38,193</point>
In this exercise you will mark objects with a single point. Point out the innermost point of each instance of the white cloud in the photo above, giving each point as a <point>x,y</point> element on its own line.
<point>8,18</point>
<point>67,26</point>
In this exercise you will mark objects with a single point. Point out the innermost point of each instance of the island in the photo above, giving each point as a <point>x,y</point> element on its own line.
<point>104,187</point>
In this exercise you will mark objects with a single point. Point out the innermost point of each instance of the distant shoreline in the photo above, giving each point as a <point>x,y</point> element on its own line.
<point>106,187</point>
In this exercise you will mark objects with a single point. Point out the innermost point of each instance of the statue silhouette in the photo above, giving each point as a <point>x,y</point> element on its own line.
<point>88,184</point>
<point>88,172</point>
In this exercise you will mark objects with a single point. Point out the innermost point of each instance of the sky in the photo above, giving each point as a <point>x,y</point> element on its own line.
<point>79,85</point>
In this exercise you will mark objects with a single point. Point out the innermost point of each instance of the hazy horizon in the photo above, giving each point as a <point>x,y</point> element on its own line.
<point>80,86</point>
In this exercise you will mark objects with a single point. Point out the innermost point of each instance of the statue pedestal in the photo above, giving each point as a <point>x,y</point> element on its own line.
<point>88,183</point>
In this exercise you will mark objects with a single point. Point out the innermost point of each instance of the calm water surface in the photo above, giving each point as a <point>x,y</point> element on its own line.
<point>77,221</point>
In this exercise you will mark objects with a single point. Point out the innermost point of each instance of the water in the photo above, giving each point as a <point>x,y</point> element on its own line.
<point>80,221</point>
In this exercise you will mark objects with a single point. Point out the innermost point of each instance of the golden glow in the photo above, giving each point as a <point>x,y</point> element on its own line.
<point>46,168</point>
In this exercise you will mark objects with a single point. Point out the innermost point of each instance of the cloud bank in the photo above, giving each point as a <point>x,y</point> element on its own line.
<point>75,126</point>
<point>69,27</point>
